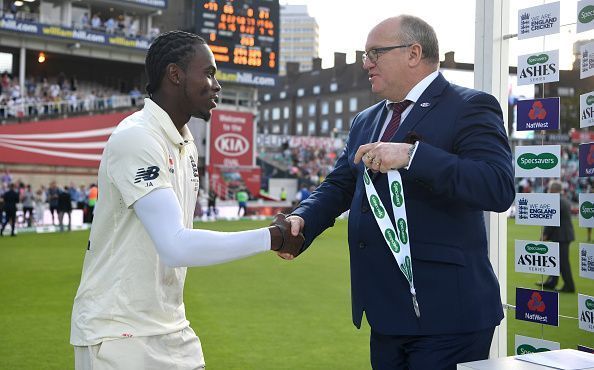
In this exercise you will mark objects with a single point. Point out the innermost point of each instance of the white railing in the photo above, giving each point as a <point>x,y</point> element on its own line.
<point>18,109</point>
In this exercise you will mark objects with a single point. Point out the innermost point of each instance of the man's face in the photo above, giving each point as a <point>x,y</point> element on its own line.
<point>200,87</point>
<point>387,71</point>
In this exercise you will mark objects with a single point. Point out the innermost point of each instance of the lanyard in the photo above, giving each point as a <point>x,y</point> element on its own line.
<point>396,238</point>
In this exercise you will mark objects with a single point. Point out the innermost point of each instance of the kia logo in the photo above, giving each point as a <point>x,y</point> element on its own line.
<point>232,145</point>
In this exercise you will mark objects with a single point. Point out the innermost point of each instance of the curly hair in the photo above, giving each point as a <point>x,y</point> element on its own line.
<point>170,47</point>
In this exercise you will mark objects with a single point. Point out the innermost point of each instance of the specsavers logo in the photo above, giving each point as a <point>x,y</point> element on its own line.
<point>527,348</point>
<point>538,59</point>
<point>397,197</point>
<point>537,248</point>
<point>587,210</point>
<point>590,100</point>
<point>586,14</point>
<point>392,242</point>
<point>401,223</point>
<point>544,161</point>
<point>589,304</point>
<point>376,204</point>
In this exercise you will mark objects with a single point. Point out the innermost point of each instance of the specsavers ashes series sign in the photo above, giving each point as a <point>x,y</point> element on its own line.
<point>536,257</point>
<point>538,161</point>
<point>539,67</point>
<point>586,312</point>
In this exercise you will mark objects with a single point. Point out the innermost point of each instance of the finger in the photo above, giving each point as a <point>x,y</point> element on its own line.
<point>363,149</point>
<point>296,224</point>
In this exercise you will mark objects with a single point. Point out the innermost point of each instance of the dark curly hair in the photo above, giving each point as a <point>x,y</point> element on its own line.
<point>169,47</point>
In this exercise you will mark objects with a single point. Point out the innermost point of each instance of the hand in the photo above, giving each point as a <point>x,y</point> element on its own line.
<point>382,156</point>
<point>286,236</point>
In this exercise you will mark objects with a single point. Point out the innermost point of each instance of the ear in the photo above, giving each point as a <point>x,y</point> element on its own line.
<point>415,55</point>
<point>174,74</point>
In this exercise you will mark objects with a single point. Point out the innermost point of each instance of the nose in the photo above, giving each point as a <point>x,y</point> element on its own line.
<point>367,64</point>
<point>217,86</point>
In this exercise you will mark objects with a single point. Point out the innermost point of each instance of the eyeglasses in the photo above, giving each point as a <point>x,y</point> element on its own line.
<point>374,54</point>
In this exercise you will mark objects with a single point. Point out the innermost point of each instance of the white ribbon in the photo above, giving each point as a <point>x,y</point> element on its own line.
<point>397,239</point>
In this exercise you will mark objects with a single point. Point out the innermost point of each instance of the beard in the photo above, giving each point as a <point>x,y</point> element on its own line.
<point>198,112</point>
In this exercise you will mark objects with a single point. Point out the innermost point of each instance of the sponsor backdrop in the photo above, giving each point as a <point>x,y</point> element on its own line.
<point>537,306</point>
<point>525,345</point>
<point>586,210</point>
<point>539,20</point>
<point>587,261</point>
<point>538,114</point>
<point>537,257</point>
<point>538,68</point>
<point>232,161</point>
<point>538,161</point>
<point>537,209</point>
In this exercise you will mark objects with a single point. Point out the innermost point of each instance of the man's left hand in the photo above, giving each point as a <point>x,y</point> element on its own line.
<point>382,156</point>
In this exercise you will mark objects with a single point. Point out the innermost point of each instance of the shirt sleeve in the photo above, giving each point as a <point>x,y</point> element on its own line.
<point>137,164</point>
<point>160,214</point>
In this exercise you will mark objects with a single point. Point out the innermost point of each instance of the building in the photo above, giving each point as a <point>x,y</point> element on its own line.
<point>299,37</point>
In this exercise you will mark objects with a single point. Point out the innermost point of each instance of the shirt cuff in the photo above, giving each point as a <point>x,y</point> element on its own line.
<point>416,146</point>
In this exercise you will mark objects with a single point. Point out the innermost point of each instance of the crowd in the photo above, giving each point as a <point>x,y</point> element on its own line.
<point>23,206</point>
<point>60,95</point>
<point>308,163</point>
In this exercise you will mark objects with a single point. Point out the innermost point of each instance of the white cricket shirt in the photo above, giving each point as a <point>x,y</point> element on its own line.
<point>125,290</point>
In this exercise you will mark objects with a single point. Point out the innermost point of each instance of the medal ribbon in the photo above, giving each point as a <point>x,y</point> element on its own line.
<point>397,238</point>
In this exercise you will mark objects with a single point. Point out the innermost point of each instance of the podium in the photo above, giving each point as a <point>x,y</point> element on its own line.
<point>512,363</point>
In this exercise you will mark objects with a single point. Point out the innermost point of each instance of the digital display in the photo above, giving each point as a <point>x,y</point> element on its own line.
<point>243,35</point>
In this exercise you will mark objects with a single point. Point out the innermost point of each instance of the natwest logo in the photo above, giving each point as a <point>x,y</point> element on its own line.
<point>232,145</point>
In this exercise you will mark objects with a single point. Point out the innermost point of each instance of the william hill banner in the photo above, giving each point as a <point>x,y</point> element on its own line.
<point>538,161</point>
<point>40,29</point>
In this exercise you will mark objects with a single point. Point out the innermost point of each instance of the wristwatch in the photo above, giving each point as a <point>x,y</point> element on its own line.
<point>411,150</point>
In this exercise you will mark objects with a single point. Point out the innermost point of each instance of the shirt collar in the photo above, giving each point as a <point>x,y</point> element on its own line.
<point>160,119</point>
<point>415,93</point>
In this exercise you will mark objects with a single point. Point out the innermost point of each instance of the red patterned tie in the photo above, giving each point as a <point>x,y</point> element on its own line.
<point>397,109</point>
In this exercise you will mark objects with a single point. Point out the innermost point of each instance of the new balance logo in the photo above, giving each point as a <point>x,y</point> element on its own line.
<point>149,174</point>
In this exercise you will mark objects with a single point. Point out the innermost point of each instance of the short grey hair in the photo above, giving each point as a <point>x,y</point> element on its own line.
<point>416,30</point>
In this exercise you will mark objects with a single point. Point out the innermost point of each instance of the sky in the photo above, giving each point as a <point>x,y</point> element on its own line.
<point>343,26</point>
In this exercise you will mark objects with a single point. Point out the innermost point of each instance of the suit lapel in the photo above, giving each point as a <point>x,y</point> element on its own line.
<point>378,123</point>
<point>426,102</point>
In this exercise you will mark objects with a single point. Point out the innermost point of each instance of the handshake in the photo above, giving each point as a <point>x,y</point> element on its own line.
<point>282,240</point>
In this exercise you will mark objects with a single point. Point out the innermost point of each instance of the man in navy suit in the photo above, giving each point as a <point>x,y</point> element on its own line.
<point>452,152</point>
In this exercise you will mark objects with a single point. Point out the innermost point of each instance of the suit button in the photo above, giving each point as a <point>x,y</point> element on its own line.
<point>361,245</point>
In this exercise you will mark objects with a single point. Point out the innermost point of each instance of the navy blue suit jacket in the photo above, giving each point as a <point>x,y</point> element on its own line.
<point>462,167</point>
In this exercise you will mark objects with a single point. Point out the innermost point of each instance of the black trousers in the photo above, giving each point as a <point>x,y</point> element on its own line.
<point>564,267</point>
<point>435,352</point>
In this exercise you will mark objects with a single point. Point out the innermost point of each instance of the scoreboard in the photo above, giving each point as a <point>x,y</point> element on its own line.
<point>242,34</point>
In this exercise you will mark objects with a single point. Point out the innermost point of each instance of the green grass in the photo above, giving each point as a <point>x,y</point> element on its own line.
<point>258,313</point>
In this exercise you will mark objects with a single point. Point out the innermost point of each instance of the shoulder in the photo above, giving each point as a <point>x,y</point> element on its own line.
<point>465,95</point>
<point>134,133</point>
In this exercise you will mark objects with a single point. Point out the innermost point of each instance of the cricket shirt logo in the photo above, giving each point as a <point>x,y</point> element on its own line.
<point>147,175</point>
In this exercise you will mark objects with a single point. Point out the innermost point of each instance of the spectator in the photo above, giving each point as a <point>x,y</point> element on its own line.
<point>11,198</point>
<point>242,198</point>
<point>212,204</point>
<point>28,200</point>
<point>64,207</point>
<point>96,22</point>
<point>92,196</point>
<point>52,197</point>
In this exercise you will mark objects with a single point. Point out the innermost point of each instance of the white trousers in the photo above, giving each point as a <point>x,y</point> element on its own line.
<point>176,351</point>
